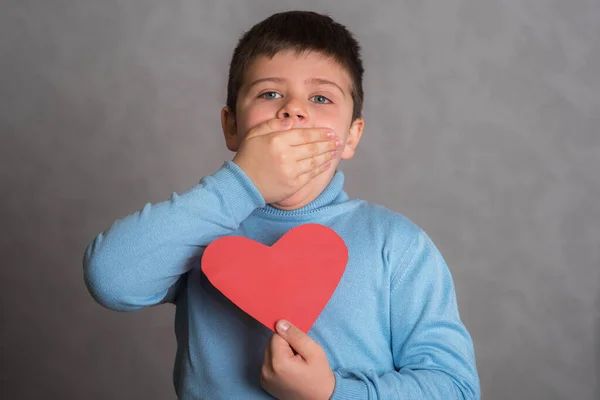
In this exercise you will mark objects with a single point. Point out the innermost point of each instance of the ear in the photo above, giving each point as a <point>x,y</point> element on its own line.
<point>354,135</point>
<point>229,125</point>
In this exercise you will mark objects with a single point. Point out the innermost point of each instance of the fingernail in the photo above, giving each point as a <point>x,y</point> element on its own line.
<point>338,142</point>
<point>330,134</point>
<point>284,326</point>
<point>287,122</point>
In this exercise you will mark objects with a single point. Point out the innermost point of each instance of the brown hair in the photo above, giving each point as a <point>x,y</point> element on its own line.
<point>299,31</point>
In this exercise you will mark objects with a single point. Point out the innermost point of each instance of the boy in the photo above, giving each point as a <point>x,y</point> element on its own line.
<point>391,330</point>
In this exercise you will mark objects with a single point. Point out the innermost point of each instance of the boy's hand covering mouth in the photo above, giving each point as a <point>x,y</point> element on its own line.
<point>280,159</point>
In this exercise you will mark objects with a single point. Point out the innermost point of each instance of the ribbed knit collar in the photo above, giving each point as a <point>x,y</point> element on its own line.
<point>332,195</point>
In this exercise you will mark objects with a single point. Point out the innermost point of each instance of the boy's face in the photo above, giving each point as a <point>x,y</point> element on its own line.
<point>313,90</point>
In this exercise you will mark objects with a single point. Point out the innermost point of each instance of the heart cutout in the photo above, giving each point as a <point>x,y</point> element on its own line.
<point>293,279</point>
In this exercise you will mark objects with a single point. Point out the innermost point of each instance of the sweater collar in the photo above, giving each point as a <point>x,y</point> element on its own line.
<point>332,195</point>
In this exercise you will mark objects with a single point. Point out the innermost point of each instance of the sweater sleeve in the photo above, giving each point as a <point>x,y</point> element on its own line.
<point>433,352</point>
<point>140,259</point>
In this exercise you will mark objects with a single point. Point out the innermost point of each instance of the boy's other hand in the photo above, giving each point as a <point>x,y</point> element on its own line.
<point>280,159</point>
<point>302,376</point>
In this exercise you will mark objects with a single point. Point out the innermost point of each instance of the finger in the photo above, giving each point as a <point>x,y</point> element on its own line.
<point>268,356</point>
<point>307,177</point>
<point>314,166</point>
<point>267,365</point>
<point>315,149</point>
<point>271,126</point>
<point>298,340</point>
<point>302,136</point>
<point>279,347</point>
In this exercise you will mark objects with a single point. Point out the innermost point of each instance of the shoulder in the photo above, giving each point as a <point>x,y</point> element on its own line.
<point>401,238</point>
<point>396,234</point>
<point>401,243</point>
<point>389,222</point>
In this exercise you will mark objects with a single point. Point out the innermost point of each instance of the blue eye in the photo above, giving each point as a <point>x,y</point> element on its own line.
<point>270,95</point>
<point>321,100</point>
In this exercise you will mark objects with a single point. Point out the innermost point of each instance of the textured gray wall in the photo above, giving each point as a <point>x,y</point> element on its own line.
<point>482,126</point>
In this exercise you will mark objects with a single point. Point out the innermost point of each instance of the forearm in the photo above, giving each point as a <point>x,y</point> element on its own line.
<point>405,384</point>
<point>139,258</point>
<point>432,350</point>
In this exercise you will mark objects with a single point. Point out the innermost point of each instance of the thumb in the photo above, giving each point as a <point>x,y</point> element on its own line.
<point>270,126</point>
<point>298,340</point>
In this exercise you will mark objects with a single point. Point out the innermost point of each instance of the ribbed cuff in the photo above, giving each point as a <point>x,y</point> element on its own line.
<point>349,389</point>
<point>238,191</point>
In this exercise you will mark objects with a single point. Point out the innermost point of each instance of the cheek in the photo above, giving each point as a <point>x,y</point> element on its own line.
<point>333,117</point>
<point>255,115</point>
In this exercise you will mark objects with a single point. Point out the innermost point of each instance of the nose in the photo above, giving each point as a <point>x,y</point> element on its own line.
<point>293,109</point>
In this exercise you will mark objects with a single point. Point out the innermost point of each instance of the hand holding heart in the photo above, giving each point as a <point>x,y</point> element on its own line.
<point>302,376</point>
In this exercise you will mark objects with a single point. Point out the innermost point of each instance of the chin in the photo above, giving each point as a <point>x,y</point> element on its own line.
<point>307,194</point>
<point>295,201</point>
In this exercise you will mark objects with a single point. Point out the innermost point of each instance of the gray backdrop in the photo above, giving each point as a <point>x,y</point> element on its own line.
<point>482,127</point>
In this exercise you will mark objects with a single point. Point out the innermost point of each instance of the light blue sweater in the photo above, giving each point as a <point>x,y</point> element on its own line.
<point>391,329</point>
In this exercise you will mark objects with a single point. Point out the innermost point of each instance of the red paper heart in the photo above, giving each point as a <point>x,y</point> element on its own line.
<point>293,279</point>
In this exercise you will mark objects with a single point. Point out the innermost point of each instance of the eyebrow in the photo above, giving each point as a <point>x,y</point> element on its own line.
<point>311,81</point>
